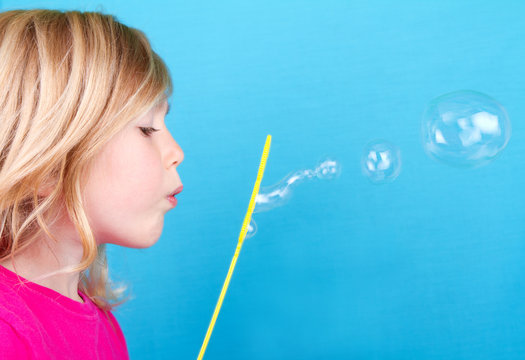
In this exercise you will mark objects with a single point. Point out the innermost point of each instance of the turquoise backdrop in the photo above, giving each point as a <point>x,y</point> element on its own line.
<point>430,266</point>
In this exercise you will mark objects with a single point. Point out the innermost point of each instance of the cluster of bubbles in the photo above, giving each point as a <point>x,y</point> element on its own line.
<point>279,193</point>
<point>462,128</point>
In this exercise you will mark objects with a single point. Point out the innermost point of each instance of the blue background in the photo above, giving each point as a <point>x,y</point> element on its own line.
<point>427,267</point>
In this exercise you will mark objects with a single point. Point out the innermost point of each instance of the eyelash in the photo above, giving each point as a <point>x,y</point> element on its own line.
<point>147,131</point>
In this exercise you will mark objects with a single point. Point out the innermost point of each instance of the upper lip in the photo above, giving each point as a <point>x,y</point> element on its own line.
<point>176,191</point>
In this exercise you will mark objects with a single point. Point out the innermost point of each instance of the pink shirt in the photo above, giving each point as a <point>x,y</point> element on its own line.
<point>39,323</point>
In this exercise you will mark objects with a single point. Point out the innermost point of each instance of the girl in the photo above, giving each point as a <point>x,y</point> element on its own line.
<point>85,160</point>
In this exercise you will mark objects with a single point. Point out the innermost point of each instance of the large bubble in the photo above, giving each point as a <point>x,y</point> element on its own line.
<point>278,194</point>
<point>381,161</point>
<point>465,128</point>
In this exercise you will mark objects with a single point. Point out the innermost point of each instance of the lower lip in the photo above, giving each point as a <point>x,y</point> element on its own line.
<point>172,200</point>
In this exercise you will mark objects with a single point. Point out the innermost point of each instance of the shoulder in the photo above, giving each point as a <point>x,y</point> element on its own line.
<point>111,335</point>
<point>115,326</point>
<point>12,345</point>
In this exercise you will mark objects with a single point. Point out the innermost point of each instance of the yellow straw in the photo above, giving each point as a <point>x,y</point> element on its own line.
<point>244,229</point>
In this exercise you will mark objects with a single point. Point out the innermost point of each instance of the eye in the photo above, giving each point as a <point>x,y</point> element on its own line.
<point>147,131</point>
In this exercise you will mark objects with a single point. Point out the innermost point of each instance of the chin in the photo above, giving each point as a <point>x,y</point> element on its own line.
<point>141,236</point>
<point>142,243</point>
<point>146,243</point>
<point>138,240</point>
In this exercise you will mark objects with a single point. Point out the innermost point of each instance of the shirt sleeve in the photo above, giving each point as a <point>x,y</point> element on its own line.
<point>11,346</point>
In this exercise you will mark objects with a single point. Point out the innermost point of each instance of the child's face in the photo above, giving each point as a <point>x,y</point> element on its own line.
<point>127,191</point>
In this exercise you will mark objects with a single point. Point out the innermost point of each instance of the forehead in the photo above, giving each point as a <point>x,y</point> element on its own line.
<point>156,111</point>
<point>162,107</point>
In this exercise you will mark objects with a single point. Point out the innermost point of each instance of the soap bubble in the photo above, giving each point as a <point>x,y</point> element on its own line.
<point>328,169</point>
<point>278,194</point>
<point>465,128</point>
<point>252,229</point>
<point>381,161</point>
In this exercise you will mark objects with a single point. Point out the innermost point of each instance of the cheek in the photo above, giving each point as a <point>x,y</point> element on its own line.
<point>135,174</point>
<point>128,176</point>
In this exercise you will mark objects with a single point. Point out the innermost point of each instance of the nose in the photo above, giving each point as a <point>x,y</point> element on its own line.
<point>173,154</point>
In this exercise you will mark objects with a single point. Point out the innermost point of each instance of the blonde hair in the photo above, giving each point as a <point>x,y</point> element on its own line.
<point>69,82</point>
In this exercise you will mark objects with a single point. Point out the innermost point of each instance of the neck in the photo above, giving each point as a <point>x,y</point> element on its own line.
<point>47,257</point>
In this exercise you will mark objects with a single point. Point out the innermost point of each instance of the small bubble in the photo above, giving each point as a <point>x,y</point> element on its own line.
<point>381,161</point>
<point>252,229</point>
